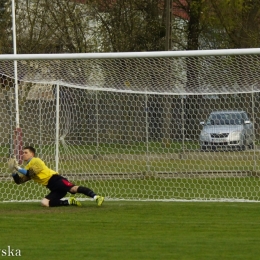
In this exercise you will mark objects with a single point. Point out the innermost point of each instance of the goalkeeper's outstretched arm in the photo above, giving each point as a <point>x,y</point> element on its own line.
<point>19,179</point>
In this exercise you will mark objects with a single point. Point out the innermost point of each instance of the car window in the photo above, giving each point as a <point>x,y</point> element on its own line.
<point>244,116</point>
<point>225,119</point>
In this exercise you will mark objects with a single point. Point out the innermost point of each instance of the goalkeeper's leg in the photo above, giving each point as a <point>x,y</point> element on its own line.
<point>59,187</point>
<point>64,184</point>
<point>88,192</point>
<point>53,199</point>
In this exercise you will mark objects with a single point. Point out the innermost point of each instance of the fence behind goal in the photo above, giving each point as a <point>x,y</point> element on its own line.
<point>128,125</point>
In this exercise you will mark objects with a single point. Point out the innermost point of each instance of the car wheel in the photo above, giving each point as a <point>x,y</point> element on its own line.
<point>243,145</point>
<point>213,148</point>
<point>251,146</point>
<point>203,148</point>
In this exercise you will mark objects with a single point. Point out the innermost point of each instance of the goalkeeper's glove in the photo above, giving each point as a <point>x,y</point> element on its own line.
<point>13,165</point>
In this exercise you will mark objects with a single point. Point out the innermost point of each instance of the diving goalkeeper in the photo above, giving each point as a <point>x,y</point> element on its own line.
<point>36,170</point>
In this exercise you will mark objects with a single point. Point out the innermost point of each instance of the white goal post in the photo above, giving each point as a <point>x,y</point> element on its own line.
<point>136,126</point>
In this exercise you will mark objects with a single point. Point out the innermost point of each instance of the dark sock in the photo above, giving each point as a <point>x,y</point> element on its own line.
<point>88,192</point>
<point>57,203</point>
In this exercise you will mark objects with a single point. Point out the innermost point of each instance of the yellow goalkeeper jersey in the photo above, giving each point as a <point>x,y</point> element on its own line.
<point>38,171</point>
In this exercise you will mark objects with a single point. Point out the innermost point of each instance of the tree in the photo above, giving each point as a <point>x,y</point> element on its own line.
<point>237,21</point>
<point>130,25</point>
<point>44,26</point>
<point>5,27</point>
<point>2,9</point>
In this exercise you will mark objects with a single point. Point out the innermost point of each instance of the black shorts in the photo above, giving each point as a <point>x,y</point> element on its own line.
<point>59,186</point>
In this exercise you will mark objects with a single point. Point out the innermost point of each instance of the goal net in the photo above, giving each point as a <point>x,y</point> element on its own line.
<point>136,126</point>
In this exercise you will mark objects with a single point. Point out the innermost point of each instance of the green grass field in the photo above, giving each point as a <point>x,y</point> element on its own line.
<point>141,230</point>
<point>132,230</point>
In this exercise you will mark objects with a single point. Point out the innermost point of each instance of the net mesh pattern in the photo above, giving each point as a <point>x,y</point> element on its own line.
<point>136,128</point>
<point>190,75</point>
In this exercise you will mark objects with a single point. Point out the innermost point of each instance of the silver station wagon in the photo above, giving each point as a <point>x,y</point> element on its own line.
<point>227,130</point>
